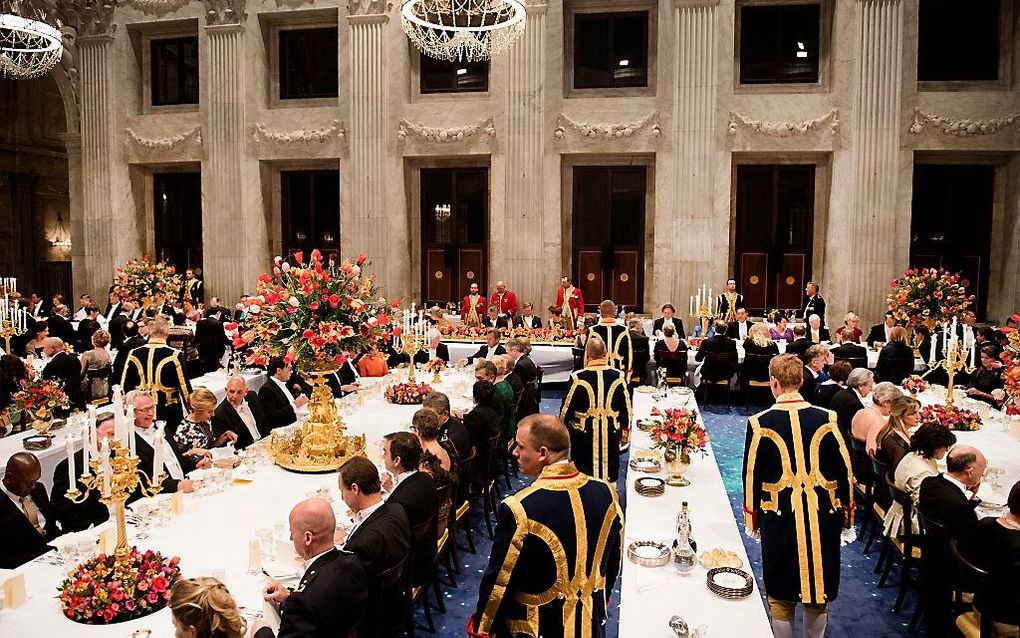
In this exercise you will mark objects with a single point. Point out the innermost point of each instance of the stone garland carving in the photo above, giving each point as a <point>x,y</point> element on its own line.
<point>784,129</point>
<point>219,12</point>
<point>92,17</point>
<point>158,7</point>
<point>367,7</point>
<point>302,136</point>
<point>446,135</point>
<point>166,144</point>
<point>607,131</point>
<point>962,127</point>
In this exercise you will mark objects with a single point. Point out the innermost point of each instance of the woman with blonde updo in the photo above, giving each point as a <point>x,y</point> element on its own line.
<point>194,436</point>
<point>203,608</point>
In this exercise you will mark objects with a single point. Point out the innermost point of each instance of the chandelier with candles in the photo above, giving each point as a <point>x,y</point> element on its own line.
<point>29,46</point>
<point>463,30</point>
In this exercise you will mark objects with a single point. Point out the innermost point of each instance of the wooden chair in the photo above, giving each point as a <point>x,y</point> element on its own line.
<point>97,373</point>
<point>905,547</point>
<point>490,487</point>
<point>971,624</point>
<point>717,360</point>
<point>462,508</point>
<point>415,593</point>
<point>389,579</point>
<point>864,486</point>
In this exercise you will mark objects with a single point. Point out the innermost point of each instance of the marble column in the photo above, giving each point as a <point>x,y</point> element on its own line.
<point>94,260</point>
<point>690,241</point>
<point>523,262</point>
<point>880,232</point>
<point>234,233</point>
<point>79,274</point>
<point>367,216</point>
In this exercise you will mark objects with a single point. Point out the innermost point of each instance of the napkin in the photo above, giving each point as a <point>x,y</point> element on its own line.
<point>224,452</point>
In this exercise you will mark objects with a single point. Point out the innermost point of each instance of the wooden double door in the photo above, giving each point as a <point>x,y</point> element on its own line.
<point>177,217</point>
<point>773,235</point>
<point>608,221</point>
<point>454,210</point>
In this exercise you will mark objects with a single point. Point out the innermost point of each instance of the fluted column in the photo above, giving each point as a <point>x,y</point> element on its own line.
<point>233,235</point>
<point>95,259</point>
<point>880,232</point>
<point>523,262</point>
<point>690,249</point>
<point>366,226</point>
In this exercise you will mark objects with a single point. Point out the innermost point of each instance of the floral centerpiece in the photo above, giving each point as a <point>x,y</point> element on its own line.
<point>95,592</point>
<point>36,401</point>
<point>679,434</point>
<point>147,283</point>
<point>694,342</point>
<point>464,332</point>
<point>915,384</point>
<point>954,418</point>
<point>1011,370</point>
<point>435,365</point>
<point>931,294</point>
<point>408,393</point>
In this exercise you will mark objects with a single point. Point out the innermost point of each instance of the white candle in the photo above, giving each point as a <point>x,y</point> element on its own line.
<point>973,353</point>
<point>934,338</point>
<point>85,443</point>
<point>130,428</point>
<point>157,452</point>
<point>106,467</point>
<point>69,444</point>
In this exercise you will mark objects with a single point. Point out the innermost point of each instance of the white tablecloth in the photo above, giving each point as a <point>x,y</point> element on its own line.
<point>51,456</point>
<point>557,361</point>
<point>652,595</point>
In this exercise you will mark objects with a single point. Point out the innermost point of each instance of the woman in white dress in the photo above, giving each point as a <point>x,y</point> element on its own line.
<point>928,445</point>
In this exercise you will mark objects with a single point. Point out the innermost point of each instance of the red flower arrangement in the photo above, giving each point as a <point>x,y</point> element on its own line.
<point>37,398</point>
<point>680,431</point>
<point>694,342</point>
<point>408,393</point>
<point>316,315</point>
<point>464,332</point>
<point>435,365</point>
<point>932,294</point>
<point>147,283</point>
<point>95,594</point>
<point>915,384</point>
<point>1011,371</point>
<point>952,418</point>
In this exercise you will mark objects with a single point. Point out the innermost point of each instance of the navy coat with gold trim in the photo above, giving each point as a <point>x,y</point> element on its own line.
<point>596,408</point>
<point>617,338</point>
<point>798,494</point>
<point>543,579</point>
<point>158,369</point>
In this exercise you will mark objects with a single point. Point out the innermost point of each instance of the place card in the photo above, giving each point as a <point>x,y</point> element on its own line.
<point>254,555</point>
<point>14,591</point>
<point>177,502</point>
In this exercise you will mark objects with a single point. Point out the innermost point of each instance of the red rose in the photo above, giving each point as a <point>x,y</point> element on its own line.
<point>299,257</point>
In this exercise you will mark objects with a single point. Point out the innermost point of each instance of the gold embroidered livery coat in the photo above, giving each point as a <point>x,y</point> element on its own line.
<point>554,561</point>
<point>158,369</point>
<point>596,407</point>
<point>798,494</point>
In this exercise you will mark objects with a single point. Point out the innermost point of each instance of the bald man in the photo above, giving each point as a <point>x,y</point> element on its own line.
<point>949,500</point>
<point>64,368</point>
<point>26,519</point>
<point>330,599</point>
<point>241,413</point>
<point>504,300</point>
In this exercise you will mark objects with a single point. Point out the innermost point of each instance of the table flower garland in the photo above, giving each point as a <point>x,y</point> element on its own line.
<point>408,393</point>
<point>315,315</point>
<point>1011,371</point>
<point>94,593</point>
<point>147,283</point>
<point>932,294</point>
<point>954,418</point>
<point>464,332</point>
<point>915,384</point>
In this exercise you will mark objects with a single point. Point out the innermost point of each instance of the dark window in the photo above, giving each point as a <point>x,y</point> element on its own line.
<point>955,47</point>
<point>441,76</point>
<point>177,216</point>
<point>174,70</point>
<point>308,63</point>
<point>311,210</point>
<point>779,43</point>
<point>610,50</point>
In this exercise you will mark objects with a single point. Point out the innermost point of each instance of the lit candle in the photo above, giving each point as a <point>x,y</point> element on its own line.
<point>934,338</point>
<point>973,352</point>
<point>157,452</point>
<point>85,443</point>
<point>105,453</point>
<point>69,445</point>
<point>130,429</point>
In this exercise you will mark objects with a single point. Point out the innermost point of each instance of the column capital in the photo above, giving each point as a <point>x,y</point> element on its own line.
<point>224,12</point>
<point>368,8</point>
<point>223,29</point>
<point>694,4</point>
<point>94,41</point>
<point>536,7</point>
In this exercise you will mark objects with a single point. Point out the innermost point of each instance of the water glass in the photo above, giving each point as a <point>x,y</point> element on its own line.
<point>267,544</point>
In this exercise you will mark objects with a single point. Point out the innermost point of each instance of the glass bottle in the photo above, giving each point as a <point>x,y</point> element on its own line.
<point>684,548</point>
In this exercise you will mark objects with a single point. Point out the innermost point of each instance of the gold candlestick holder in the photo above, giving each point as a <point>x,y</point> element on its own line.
<point>703,316</point>
<point>411,344</point>
<point>955,360</point>
<point>8,330</point>
<point>125,477</point>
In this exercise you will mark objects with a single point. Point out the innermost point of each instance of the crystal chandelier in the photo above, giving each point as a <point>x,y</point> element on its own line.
<point>463,30</point>
<point>29,47</point>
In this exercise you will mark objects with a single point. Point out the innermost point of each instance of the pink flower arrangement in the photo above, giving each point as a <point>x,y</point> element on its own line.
<point>953,418</point>
<point>680,431</point>
<point>435,365</point>
<point>147,283</point>
<point>408,393</point>
<point>94,593</point>
<point>316,314</point>
<point>915,384</point>
<point>931,294</point>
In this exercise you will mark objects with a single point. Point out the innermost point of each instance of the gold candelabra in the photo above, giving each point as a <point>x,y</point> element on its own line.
<point>703,315</point>
<point>954,360</point>
<point>8,330</point>
<point>411,342</point>
<point>116,480</point>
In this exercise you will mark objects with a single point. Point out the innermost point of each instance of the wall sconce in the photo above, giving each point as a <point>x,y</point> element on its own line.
<point>62,239</point>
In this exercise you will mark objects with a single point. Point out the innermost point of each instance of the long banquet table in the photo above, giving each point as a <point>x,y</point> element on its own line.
<point>652,595</point>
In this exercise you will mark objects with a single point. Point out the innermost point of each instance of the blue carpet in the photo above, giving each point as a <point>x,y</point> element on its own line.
<point>862,609</point>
